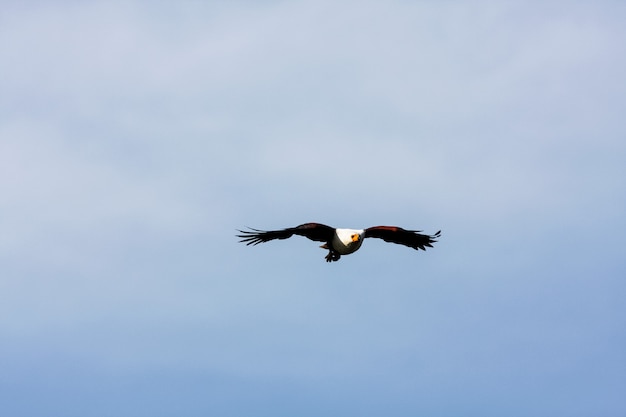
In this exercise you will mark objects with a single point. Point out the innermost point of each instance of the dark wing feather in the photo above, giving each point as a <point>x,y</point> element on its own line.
<point>314,231</point>
<point>410,238</point>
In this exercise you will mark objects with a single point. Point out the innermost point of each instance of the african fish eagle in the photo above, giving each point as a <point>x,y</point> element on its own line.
<point>341,241</point>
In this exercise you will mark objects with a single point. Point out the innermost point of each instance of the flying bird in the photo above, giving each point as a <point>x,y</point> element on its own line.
<point>341,241</point>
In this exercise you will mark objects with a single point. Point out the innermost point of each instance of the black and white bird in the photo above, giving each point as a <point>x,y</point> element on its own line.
<point>342,241</point>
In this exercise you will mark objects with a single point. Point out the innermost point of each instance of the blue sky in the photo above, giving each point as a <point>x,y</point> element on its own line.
<point>136,137</point>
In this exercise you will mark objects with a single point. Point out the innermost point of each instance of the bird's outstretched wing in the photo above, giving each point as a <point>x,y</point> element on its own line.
<point>410,238</point>
<point>314,231</point>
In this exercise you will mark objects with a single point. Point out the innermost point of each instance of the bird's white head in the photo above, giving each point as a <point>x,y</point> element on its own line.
<point>349,240</point>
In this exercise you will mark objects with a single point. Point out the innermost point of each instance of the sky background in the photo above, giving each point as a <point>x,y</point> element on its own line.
<point>136,137</point>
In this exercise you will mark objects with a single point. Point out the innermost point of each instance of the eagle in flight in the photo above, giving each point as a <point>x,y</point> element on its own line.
<point>341,241</point>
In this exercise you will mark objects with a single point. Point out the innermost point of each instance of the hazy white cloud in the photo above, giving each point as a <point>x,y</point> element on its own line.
<point>59,194</point>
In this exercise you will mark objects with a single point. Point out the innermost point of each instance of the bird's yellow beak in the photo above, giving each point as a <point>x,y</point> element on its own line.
<point>356,237</point>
